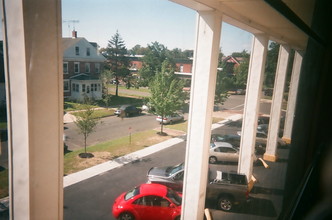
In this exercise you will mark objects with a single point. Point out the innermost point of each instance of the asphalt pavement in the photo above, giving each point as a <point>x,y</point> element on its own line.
<point>83,200</point>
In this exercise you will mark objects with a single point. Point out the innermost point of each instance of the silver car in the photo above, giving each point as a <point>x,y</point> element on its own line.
<point>170,176</point>
<point>224,153</point>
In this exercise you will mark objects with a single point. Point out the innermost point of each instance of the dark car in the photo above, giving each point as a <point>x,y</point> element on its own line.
<point>127,110</point>
<point>224,190</point>
<point>233,139</point>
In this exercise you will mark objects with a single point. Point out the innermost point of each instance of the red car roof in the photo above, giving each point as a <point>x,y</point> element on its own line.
<point>153,189</point>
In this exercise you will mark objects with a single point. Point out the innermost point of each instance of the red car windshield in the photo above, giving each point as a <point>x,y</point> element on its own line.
<point>130,194</point>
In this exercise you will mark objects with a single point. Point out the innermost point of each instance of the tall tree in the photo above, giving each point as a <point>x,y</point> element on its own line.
<point>86,124</point>
<point>241,73</point>
<point>116,52</point>
<point>223,82</point>
<point>152,61</point>
<point>271,64</point>
<point>167,94</point>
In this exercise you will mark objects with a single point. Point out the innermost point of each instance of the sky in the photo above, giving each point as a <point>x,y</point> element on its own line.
<point>143,22</point>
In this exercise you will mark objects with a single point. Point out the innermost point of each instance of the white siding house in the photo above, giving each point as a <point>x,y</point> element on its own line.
<point>82,64</point>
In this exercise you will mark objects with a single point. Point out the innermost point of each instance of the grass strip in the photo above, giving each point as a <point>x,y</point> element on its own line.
<point>109,150</point>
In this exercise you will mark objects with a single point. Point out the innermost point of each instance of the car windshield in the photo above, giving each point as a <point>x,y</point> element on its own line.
<point>130,194</point>
<point>176,199</point>
<point>123,107</point>
<point>172,170</point>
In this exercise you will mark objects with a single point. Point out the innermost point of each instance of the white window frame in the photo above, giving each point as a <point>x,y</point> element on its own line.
<point>78,67</point>
<point>65,67</point>
<point>66,81</point>
<point>87,68</point>
<point>97,67</point>
<point>77,50</point>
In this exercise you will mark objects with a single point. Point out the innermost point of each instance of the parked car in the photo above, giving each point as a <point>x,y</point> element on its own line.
<point>220,144</point>
<point>263,128</point>
<point>223,189</point>
<point>233,139</point>
<point>127,110</point>
<point>227,190</point>
<point>240,92</point>
<point>170,118</point>
<point>261,138</point>
<point>148,202</point>
<point>170,176</point>
<point>4,204</point>
<point>224,154</point>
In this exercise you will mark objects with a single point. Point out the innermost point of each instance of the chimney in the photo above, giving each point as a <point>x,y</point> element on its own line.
<point>74,34</point>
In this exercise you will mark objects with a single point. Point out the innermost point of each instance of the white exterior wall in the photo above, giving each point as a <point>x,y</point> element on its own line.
<point>200,116</point>
<point>292,96</point>
<point>70,55</point>
<point>278,94</point>
<point>96,95</point>
<point>251,104</point>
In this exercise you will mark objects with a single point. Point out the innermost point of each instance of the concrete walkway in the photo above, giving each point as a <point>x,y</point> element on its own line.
<point>120,161</point>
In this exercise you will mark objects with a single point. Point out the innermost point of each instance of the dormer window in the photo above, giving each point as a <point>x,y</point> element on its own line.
<point>77,51</point>
<point>87,51</point>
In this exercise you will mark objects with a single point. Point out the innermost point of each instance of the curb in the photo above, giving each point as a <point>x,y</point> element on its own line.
<point>132,157</point>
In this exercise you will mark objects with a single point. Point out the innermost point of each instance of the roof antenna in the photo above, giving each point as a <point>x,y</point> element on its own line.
<point>73,23</point>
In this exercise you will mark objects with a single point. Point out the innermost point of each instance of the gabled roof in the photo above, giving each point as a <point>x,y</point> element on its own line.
<point>84,77</point>
<point>68,42</point>
<point>68,48</point>
<point>230,59</point>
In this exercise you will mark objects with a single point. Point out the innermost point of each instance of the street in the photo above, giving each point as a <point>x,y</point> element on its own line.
<point>93,198</point>
<point>114,127</point>
<point>109,128</point>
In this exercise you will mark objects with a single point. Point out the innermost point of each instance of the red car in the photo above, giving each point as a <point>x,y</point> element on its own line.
<point>148,202</point>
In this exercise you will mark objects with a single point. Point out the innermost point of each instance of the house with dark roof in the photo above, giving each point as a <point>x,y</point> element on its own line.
<point>82,65</point>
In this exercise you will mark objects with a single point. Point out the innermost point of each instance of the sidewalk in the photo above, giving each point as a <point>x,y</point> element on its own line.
<point>118,162</point>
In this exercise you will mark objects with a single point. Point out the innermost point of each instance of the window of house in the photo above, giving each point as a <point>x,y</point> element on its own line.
<point>181,68</point>
<point>83,87</point>
<point>73,87</point>
<point>76,67</point>
<point>88,51</point>
<point>87,67</point>
<point>77,51</point>
<point>65,67</point>
<point>97,67</point>
<point>93,87</point>
<point>87,89</point>
<point>66,85</point>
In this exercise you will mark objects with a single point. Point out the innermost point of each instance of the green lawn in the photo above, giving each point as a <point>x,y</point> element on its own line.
<point>109,150</point>
<point>99,113</point>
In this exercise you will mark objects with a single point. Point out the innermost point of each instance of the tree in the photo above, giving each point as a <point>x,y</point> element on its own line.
<point>116,52</point>
<point>86,124</point>
<point>167,94</point>
<point>152,62</point>
<point>222,82</point>
<point>241,73</point>
<point>271,64</point>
